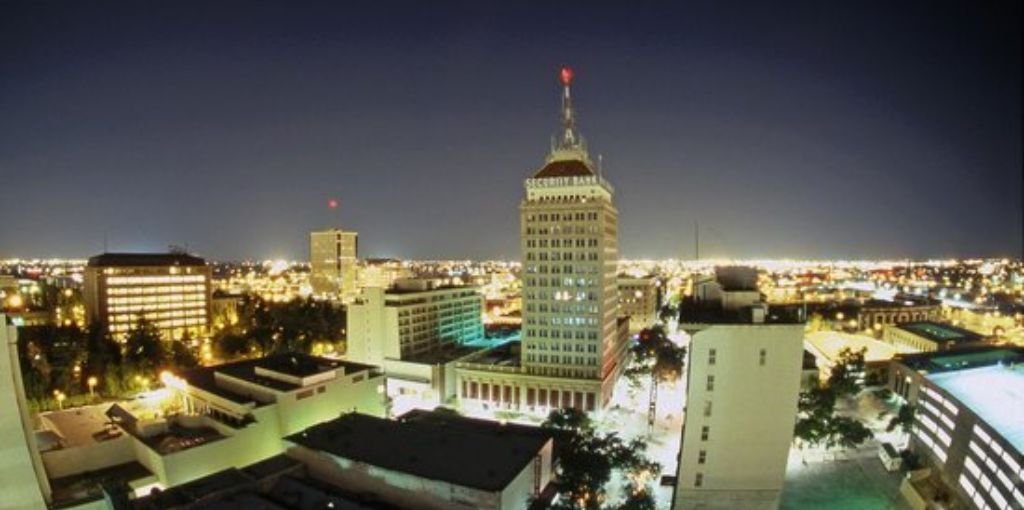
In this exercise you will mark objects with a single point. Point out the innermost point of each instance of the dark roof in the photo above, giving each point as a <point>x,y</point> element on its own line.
<point>564,168</point>
<point>145,259</point>
<point>693,311</point>
<point>294,364</point>
<point>73,490</point>
<point>939,332</point>
<point>461,451</point>
<point>961,359</point>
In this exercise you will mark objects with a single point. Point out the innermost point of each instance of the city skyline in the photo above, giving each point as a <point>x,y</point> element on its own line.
<point>231,140</point>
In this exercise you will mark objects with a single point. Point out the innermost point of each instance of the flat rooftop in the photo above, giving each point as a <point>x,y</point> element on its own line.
<point>712,312</point>
<point>442,355</point>
<point>504,355</point>
<point>291,364</point>
<point>939,332</point>
<point>994,393</point>
<point>968,357</point>
<point>830,343</point>
<point>88,486</point>
<point>145,259</point>
<point>461,452</point>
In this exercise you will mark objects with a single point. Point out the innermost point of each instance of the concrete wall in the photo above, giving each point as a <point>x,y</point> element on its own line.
<point>70,461</point>
<point>341,395</point>
<point>752,415</point>
<point>22,478</point>
<point>396,488</point>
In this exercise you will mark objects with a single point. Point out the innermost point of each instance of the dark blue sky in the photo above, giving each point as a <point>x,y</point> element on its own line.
<point>831,129</point>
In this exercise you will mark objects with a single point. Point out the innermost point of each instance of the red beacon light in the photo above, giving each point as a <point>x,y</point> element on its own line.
<point>332,203</point>
<point>566,76</point>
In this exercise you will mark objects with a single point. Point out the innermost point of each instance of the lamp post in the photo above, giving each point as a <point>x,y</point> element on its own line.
<point>92,382</point>
<point>60,396</point>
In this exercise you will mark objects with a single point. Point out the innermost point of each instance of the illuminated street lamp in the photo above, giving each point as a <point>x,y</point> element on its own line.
<point>60,396</point>
<point>92,382</point>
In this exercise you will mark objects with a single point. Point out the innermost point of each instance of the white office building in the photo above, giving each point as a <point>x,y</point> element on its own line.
<point>743,383</point>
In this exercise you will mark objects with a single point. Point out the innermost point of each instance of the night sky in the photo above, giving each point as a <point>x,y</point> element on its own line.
<point>825,130</point>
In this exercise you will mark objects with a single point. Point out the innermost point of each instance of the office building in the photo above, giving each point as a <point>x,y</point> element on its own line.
<point>573,341</point>
<point>968,426</point>
<point>170,290</point>
<point>416,330</point>
<point>745,365</point>
<point>332,263</point>
<point>425,461</point>
<point>639,300</point>
<point>25,486</point>
<point>415,316</point>
<point>928,336</point>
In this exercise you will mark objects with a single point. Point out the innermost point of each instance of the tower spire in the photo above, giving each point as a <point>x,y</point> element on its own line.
<point>568,144</point>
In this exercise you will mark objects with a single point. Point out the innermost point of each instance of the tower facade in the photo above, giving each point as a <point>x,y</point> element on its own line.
<point>569,240</point>
<point>573,342</point>
<point>332,260</point>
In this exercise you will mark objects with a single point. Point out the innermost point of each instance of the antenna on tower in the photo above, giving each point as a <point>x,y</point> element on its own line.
<point>600,160</point>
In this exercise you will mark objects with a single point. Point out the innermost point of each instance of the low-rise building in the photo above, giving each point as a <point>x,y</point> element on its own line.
<point>203,421</point>
<point>828,346</point>
<point>170,290</point>
<point>875,314</point>
<point>639,299</point>
<point>969,411</point>
<point>426,462</point>
<point>929,336</point>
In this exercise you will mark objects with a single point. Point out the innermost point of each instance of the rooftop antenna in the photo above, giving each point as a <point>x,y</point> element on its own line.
<point>696,240</point>
<point>333,204</point>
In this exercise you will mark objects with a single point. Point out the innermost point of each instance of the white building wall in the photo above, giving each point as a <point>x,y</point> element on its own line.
<point>752,415</point>
<point>22,479</point>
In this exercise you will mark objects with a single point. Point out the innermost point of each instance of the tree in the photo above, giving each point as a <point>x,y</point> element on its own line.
<point>904,419</point>
<point>847,375</point>
<point>817,421</point>
<point>569,419</point>
<point>181,356</point>
<point>145,352</point>
<point>269,328</point>
<point>104,360</point>
<point>229,346</point>
<point>588,460</point>
<point>656,355</point>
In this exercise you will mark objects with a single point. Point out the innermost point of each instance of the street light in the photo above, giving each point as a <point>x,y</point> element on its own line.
<point>92,382</point>
<point>60,396</point>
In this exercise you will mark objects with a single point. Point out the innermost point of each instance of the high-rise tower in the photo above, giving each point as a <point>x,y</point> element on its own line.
<point>573,343</point>
<point>569,238</point>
